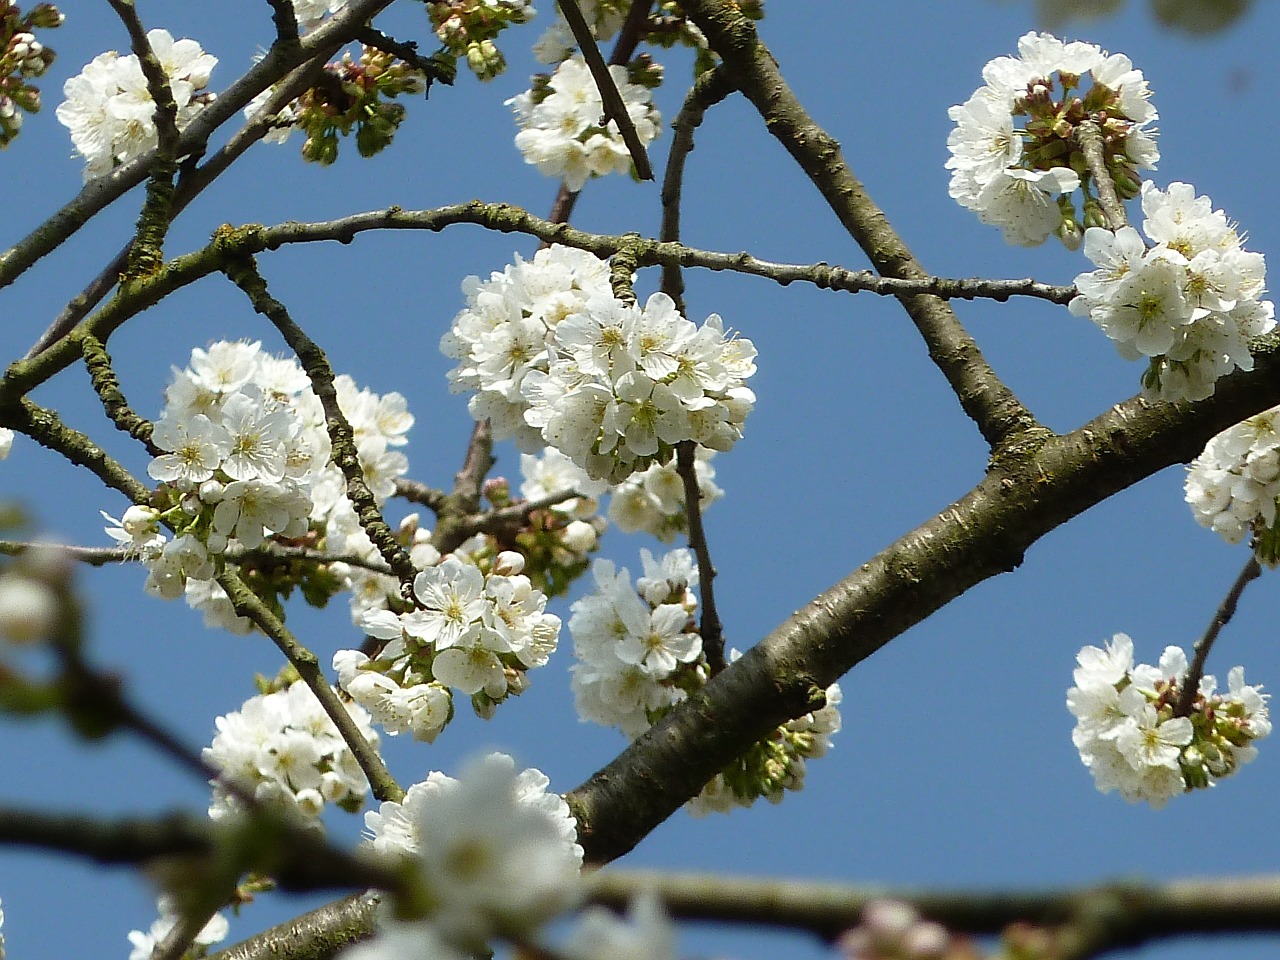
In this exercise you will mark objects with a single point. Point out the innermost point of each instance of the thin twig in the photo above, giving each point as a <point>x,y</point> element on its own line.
<point>433,68</point>
<point>710,630</point>
<point>91,556</point>
<point>107,387</point>
<point>417,492</point>
<point>610,98</point>
<point>1226,610</point>
<point>101,192</point>
<point>232,243</point>
<point>244,274</point>
<point>308,864</point>
<point>515,515</point>
<point>46,428</point>
<point>709,89</point>
<point>633,30</point>
<point>248,604</point>
<point>468,486</point>
<point>146,253</point>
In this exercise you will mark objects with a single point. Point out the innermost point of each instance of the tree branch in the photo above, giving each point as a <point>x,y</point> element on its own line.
<point>1089,137</point>
<point>248,604</point>
<point>610,98</point>
<point>244,274</point>
<point>1221,617</point>
<point>229,244</point>
<point>999,415</point>
<point>984,533</point>
<point>1142,911</point>
<point>709,89</point>
<point>97,194</point>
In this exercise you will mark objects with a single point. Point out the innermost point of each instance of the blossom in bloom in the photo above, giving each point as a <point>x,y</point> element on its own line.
<point>646,933</point>
<point>1015,152</point>
<point>1189,304</point>
<point>6,442</point>
<point>138,531</point>
<point>1233,487</point>
<point>652,500</point>
<point>497,851</point>
<point>246,456</point>
<point>108,108</point>
<point>311,13</point>
<point>613,386</point>
<point>477,631</point>
<point>560,129</point>
<point>1132,738</point>
<point>285,749</point>
<point>144,944</point>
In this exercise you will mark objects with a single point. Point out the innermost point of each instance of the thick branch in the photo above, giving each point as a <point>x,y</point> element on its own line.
<point>999,415</point>
<point>304,863</point>
<point>984,533</point>
<point>1136,911</point>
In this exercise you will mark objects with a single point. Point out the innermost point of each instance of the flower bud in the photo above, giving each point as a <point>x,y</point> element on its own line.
<point>45,15</point>
<point>508,563</point>
<point>28,609</point>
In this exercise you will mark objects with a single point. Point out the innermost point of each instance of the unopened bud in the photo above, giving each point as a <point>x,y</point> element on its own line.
<point>508,563</point>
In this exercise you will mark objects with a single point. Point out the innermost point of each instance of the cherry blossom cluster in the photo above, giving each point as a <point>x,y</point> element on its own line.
<point>556,359</point>
<point>363,106</point>
<point>894,930</point>
<point>284,749</point>
<point>144,944</point>
<point>475,631</point>
<point>495,851</point>
<point>22,58</point>
<point>1131,737</point>
<point>467,28</point>
<point>637,646</point>
<point>246,457</point>
<point>502,334</point>
<point>652,501</point>
<point>559,119</point>
<point>108,108</point>
<point>1233,487</point>
<point>1016,156</point>
<point>639,653</point>
<point>1189,304</point>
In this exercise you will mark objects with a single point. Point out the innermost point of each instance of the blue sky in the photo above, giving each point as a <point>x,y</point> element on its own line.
<point>955,767</point>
